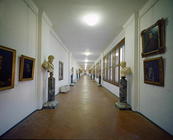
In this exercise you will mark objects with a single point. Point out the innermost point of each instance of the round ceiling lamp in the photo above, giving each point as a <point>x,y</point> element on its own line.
<point>91,19</point>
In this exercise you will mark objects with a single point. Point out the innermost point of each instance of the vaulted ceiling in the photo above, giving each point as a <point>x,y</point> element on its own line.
<point>67,18</point>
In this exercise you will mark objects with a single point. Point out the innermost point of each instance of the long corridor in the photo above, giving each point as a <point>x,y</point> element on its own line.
<point>87,112</point>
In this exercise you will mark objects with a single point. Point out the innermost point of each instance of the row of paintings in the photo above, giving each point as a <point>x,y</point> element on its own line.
<point>8,65</point>
<point>7,68</point>
<point>153,43</point>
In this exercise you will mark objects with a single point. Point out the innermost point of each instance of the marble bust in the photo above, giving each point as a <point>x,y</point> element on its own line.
<point>124,70</point>
<point>48,65</point>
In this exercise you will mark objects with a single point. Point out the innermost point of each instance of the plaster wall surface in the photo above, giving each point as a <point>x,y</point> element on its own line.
<point>18,30</point>
<point>155,101</point>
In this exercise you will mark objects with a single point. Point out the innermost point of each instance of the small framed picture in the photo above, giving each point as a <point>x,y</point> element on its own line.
<point>27,65</point>
<point>61,70</point>
<point>153,39</point>
<point>7,67</point>
<point>154,71</point>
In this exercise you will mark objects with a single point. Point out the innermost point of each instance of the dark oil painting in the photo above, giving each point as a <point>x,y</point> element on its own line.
<point>154,71</point>
<point>26,68</point>
<point>153,39</point>
<point>7,67</point>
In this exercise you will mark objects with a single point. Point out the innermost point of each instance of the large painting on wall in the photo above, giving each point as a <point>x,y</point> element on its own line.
<point>154,71</point>
<point>60,70</point>
<point>27,65</point>
<point>7,67</point>
<point>153,39</point>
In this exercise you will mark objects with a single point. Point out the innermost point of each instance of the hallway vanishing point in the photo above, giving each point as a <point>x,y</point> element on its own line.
<point>86,112</point>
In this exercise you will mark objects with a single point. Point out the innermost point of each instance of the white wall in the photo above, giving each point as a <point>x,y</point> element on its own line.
<point>156,102</point>
<point>29,31</point>
<point>51,45</point>
<point>18,30</point>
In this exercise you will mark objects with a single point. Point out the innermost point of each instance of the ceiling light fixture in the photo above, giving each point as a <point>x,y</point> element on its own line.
<point>86,60</point>
<point>87,53</point>
<point>91,19</point>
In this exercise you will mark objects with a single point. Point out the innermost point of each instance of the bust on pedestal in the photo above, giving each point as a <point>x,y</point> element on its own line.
<point>72,82</point>
<point>122,103</point>
<point>48,65</point>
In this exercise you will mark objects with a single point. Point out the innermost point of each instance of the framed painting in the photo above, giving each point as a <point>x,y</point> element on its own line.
<point>61,70</point>
<point>153,39</point>
<point>7,67</point>
<point>27,65</point>
<point>154,71</point>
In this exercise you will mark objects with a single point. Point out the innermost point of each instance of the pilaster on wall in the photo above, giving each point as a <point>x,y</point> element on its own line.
<point>39,70</point>
<point>41,78</point>
<point>37,12</point>
<point>131,57</point>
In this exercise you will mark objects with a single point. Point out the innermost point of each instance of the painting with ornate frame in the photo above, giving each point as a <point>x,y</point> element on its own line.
<point>27,65</point>
<point>154,71</point>
<point>61,70</point>
<point>153,39</point>
<point>7,67</point>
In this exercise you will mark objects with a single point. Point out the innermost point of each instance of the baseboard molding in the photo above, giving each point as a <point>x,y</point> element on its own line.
<point>140,113</point>
<point>20,122</point>
<point>152,122</point>
<point>109,91</point>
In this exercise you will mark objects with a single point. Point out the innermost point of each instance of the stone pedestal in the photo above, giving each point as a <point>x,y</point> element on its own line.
<point>100,81</point>
<point>122,106</point>
<point>72,83</point>
<point>52,103</point>
<point>51,88</point>
<point>71,78</point>
<point>122,103</point>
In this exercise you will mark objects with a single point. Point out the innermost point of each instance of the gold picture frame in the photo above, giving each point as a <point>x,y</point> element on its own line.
<point>27,66</point>
<point>154,71</point>
<point>153,39</point>
<point>7,67</point>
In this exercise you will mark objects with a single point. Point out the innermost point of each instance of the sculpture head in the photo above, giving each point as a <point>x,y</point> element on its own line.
<point>123,64</point>
<point>50,58</point>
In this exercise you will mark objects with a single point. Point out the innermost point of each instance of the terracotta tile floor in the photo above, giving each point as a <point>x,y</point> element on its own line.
<point>87,112</point>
